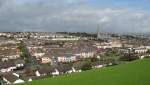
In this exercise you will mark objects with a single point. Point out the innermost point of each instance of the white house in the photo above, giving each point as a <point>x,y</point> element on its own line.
<point>38,55</point>
<point>19,81</point>
<point>56,73</point>
<point>143,56</point>
<point>140,50</point>
<point>37,73</point>
<point>13,56</point>
<point>67,59</point>
<point>3,70</point>
<point>98,66</point>
<point>30,79</point>
<point>45,60</point>
<point>76,70</point>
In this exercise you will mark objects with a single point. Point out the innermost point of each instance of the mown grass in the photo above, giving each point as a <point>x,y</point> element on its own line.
<point>133,73</point>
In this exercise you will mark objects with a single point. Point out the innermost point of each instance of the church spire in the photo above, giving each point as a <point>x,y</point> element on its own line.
<point>98,32</point>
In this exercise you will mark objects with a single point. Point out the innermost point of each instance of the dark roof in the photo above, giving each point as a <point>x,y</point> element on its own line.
<point>45,70</point>
<point>10,77</point>
<point>62,68</point>
<point>77,68</point>
<point>19,61</point>
<point>26,78</point>
<point>7,64</point>
<point>11,63</point>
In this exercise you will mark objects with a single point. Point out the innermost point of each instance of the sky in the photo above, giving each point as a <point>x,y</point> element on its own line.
<point>119,16</point>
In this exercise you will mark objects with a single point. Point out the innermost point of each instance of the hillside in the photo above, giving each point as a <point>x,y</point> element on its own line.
<point>134,73</point>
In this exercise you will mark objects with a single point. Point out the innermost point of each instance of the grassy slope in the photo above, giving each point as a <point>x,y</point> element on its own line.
<point>134,73</point>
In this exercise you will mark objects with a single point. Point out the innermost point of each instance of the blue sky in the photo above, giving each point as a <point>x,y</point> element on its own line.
<point>141,4</point>
<point>75,15</point>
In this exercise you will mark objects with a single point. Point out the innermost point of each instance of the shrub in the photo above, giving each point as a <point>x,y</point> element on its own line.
<point>86,65</point>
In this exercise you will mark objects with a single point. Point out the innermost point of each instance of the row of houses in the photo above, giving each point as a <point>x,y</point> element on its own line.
<point>138,50</point>
<point>112,43</point>
<point>11,65</point>
<point>63,54</point>
<point>9,51</point>
<point>41,35</point>
<point>14,77</point>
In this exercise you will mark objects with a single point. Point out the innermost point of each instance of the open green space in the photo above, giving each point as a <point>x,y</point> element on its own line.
<point>133,73</point>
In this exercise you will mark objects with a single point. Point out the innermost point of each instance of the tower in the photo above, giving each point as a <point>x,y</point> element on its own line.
<point>101,34</point>
<point>98,32</point>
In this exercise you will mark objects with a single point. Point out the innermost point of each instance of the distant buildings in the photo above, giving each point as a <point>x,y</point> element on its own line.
<point>102,35</point>
<point>66,53</point>
<point>53,54</point>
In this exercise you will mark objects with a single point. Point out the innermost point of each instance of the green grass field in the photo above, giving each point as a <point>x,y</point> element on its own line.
<point>133,73</point>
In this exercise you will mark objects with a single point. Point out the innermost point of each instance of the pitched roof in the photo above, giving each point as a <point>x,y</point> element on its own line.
<point>7,64</point>
<point>10,77</point>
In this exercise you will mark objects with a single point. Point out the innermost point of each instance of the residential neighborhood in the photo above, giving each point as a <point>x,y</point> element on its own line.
<point>74,42</point>
<point>27,56</point>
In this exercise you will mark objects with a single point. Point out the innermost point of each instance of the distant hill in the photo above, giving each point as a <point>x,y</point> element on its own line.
<point>134,73</point>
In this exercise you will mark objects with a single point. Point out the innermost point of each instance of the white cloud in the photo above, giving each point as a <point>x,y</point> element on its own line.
<point>104,19</point>
<point>69,15</point>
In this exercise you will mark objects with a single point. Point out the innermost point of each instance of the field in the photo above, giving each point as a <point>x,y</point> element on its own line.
<point>133,73</point>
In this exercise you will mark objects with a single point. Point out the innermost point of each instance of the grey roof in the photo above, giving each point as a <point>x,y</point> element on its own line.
<point>10,77</point>
<point>7,64</point>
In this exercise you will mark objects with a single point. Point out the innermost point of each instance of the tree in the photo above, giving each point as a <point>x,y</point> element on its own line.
<point>1,80</point>
<point>148,51</point>
<point>86,65</point>
<point>129,57</point>
<point>29,72</point>
<point>24,55</point>
<point>94,59</point>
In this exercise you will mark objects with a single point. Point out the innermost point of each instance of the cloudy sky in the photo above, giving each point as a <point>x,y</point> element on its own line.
<point>121,16</point>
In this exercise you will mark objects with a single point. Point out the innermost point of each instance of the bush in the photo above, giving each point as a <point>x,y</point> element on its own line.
<point>129,57</point>
<point>86,65</point>
<point>29,72</point>
<point>94,59</point>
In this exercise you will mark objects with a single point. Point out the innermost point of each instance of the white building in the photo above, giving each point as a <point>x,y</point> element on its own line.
<point>45,60</point>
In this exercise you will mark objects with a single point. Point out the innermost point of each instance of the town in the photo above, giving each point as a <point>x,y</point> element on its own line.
<point>28,56</point>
